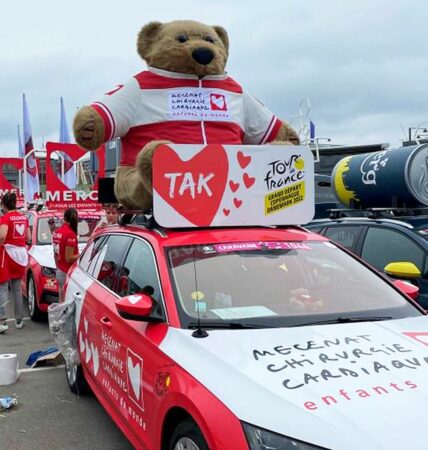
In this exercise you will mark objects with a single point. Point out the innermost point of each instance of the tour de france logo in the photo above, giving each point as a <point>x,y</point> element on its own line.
<point>285,183</point>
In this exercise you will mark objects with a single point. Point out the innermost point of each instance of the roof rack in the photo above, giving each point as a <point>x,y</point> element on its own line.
<point>147,220</point>
<point>377,213</point>
<point>137,217</point>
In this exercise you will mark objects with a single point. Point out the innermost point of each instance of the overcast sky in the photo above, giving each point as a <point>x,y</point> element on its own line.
<point>362,63</point>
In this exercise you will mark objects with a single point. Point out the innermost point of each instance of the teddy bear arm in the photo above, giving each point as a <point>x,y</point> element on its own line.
<point>88,128</point>
<point>287,134</point>
<point>130,190</point>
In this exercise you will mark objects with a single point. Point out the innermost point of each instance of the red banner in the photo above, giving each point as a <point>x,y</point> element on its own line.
<point>58,195</point>
<point>5,184</point>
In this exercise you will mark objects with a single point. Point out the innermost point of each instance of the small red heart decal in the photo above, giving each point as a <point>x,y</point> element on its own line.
<point>226,212</point>
<point>233,186</point>
<point>191,187</point>
<point>248,181</point>
<point>237,202</point>
<point>243,160</point>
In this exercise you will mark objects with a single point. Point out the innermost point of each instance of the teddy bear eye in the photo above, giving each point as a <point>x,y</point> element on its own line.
<point>182,38</point>
<point>209,39</point>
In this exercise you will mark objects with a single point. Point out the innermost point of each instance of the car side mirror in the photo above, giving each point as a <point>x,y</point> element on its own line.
<point>407,288</point>
<point>140,307</point>
<point>406,270</point>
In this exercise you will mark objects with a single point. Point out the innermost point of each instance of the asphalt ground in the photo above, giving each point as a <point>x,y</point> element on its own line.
<point>48,416</point>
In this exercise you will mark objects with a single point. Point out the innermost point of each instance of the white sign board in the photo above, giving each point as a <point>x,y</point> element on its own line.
<point>232,185</point>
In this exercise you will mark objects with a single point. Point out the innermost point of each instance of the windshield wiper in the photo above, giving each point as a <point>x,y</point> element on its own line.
<point>345,320</point>
<point>228,325</point>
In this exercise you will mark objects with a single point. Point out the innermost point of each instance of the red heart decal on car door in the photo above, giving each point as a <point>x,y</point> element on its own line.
<point>194,188</point>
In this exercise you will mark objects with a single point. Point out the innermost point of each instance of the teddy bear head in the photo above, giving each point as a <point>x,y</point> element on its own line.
<point>184,46</point>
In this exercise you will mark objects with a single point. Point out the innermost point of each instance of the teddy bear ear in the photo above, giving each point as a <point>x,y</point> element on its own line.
<point>146,37</point>
<point>222,34</point>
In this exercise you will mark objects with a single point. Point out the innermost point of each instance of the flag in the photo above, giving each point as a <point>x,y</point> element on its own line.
<point>20,147</point>
<point>31,181</point>
<point>69,175</point>
<point>312,130</point>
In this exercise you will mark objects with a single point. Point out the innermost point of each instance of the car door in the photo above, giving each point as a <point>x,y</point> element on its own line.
<point>142,362</point>
<point>102,262</point>
<point>121,355</point>
<point>383,245</point>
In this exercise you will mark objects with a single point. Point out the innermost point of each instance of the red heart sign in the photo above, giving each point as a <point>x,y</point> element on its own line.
<point>194,188</point>
<point>237,202</point>
<point>248,181</point>
<point>233,186</point>
<point>243,160</point>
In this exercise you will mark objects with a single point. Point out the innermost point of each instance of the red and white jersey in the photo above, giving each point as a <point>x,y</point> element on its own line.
<point>64,237</point>
<point>161,105</point>
<point>17,225</point>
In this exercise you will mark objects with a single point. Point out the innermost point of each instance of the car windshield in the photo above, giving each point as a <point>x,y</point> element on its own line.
<point>279,284</point>
<point>47,225</point>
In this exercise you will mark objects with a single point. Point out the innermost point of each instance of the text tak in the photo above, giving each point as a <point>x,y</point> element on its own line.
<point>186,182</point>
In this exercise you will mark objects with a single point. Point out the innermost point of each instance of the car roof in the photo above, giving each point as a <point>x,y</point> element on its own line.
<point>361,220</point>
<point>191,236</point>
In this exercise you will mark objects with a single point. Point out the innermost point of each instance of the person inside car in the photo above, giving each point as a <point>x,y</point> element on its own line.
<point>111,218</point>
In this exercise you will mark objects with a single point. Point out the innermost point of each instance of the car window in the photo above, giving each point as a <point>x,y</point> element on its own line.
<point>382,246</point>
<point>89,256</point>
<point>139,272</point>
<point>346,235</point>
<point>109,260</point>
<point>47,225</point>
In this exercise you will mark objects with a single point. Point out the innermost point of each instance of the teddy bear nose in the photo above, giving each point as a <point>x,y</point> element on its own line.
<point>202,55</point>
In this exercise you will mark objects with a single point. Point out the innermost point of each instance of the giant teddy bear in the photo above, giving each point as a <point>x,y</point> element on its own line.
<point>184,97</point>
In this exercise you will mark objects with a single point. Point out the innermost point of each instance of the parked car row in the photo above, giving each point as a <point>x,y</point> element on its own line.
<point>397,246</point>
<point>39,284</point>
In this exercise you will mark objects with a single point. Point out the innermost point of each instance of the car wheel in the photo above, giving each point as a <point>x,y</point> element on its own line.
<point>33,306</point>
<point>187,436</point>
<point>76,380</point>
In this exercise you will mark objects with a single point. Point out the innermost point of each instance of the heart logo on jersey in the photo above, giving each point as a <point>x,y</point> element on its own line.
<point>20,229</point>
<point>194,188</point>
<point>218,102</point>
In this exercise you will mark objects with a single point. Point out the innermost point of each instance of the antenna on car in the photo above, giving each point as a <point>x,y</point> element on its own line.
<point>199,332</point>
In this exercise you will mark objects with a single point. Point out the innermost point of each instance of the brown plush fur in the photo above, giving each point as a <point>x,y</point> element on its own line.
<point>159,46</point>
<point>88,128</point>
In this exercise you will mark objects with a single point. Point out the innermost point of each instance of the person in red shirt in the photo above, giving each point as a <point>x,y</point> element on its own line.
<point>14,235</point>
<point>65,246</point>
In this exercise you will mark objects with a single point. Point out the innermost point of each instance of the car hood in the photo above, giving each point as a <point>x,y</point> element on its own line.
<point>43,254</point>
<point>342,386</point>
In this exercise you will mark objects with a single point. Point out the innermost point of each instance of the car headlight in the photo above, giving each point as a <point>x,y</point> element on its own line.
<point>48,272</point>
<point>259,439</point>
